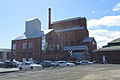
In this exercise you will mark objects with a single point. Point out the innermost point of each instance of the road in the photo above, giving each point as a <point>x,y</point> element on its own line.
<point>82,72</point>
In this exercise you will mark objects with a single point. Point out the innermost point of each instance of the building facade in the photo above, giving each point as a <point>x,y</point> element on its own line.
<point>66,39</point>
<point>109,52</point>
<point>36,44</point>
<point>75,37</point>
<point>5,54</point>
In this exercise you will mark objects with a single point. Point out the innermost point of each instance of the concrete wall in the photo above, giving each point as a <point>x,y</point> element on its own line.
<point>5,54</point>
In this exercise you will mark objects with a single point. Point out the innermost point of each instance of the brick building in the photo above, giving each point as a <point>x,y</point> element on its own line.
<point>109,52</point>
<point>37,44</point>
<point>75,37</point>
<point>63,39</point>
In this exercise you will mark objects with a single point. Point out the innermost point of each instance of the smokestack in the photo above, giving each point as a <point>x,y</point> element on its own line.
<point>49,18</point>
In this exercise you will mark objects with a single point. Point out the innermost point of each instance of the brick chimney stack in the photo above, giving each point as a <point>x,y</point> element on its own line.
<point>49,19</point>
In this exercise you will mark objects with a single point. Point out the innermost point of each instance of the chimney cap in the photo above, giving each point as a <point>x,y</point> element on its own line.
<point>49,8</point>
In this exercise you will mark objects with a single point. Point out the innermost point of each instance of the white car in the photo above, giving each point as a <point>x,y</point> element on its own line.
<point>84,62</point>
<point>64,63</point>
<point>70,64</point>
<point>29,66</point>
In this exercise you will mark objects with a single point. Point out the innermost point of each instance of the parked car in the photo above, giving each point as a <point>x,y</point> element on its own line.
<point>65,63</point>
<point>15,63</point>
<point>46,64</point>
<point>38,61</point>
<point>84,62</point>
<point>70,64</point>
<point>29,66</point>
<point>1,64</point>
<point>62,63</point>
<point>7,64</point>
<point>54,63</point>
<point>75,62</point>
<point>99,62</point>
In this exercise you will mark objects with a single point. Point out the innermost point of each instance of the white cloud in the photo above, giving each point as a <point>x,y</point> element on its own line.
<point>93,12</point>
<point>104,36</point>
<point>105,21</point>
<point>117,7</point>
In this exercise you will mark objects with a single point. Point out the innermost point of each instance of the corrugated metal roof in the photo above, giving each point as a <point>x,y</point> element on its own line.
<point>88,39</point>
<point>70,29</point>
<point>35,35</point>
<point>83,47</point>
<point>111,48</point>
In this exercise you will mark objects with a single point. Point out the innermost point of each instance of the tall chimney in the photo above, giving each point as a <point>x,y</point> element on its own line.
<point>49,18</point>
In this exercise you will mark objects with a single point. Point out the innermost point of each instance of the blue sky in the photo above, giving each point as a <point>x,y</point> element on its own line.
<point>103,17</point>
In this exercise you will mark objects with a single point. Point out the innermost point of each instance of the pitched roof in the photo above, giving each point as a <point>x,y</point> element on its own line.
<point>47,31</point>
<point>111,48</point>
<point>88,39</point>
<point>115,41</point>
<point>35,35</point>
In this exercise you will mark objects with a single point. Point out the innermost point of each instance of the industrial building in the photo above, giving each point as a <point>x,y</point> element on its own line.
<point>65,39</point>
<point>75,37</point>
<point>109,52</point>
<point>36,44</point>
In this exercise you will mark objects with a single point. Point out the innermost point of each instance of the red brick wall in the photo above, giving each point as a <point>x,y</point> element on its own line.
<point>27,53</point>
<point>91,47</point>
<point>110,56</point>
<point>53,41</point>
<point>70,23</point>
<point>51,38</point>
<point>75,37</point>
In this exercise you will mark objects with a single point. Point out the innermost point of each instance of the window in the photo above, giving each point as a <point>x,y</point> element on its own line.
<point>24,45</point>
<point>30,45</point>
<point>44,44</point>
<point>58,46</point>
<point>93,43</point>
<point>14,47</point>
